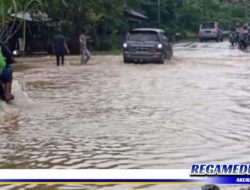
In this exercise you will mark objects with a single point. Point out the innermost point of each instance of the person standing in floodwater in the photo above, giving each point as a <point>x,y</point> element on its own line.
<point>6,73</point>
<point>59,48</point>
<point>85,54</point>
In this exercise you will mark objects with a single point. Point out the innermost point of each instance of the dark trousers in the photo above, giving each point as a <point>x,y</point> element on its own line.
<point>59,57</point>
<point>6,75</point>
<point>1,91</point>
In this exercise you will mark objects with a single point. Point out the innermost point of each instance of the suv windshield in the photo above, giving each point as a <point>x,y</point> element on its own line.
<point>143,36</point>
<point>210,25</point>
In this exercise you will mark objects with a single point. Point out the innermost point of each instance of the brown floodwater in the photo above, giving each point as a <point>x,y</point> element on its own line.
<point>109,115</point>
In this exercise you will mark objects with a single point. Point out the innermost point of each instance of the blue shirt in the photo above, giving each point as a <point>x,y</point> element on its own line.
<point>59,42</point>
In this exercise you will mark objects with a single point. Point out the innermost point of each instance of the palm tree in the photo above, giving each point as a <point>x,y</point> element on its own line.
<point>9,24</point>
<point>7,7</point>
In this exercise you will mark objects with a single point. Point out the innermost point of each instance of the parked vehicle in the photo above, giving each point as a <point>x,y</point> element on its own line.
<point>146,45</point>
<point>210,31</point>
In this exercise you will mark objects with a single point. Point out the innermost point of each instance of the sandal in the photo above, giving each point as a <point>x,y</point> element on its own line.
<point>9,97</point>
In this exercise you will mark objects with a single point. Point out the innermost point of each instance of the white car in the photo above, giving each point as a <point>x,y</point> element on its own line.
<point>210,31</point>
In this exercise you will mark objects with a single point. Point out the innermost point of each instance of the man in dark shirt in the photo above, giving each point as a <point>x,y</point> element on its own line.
<point>59,48</point>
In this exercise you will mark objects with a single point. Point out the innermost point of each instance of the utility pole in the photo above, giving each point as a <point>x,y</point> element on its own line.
<point>246,11</point>
<point>244,4</point>
<point>159,12</point>
<point>204,8</point>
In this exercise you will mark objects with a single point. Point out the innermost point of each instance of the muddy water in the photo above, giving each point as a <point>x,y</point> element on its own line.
<point>110,115</point>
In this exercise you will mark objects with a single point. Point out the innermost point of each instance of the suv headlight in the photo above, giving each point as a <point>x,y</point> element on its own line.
<point>159,46</point>
<point>125,45</point>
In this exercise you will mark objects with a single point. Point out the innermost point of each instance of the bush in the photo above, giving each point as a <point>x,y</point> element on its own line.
<point>108,43</point>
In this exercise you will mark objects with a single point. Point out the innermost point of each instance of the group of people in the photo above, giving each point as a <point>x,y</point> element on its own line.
<point>240,35</point>
<point>60,47</point>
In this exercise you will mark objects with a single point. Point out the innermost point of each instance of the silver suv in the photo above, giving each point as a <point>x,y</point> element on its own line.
<point>146,45</point>
<point>210,30</point>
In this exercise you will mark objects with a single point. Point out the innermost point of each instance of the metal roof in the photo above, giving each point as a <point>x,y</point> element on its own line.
<point>135,14</point>
<point>148,29</point>
<point>37,17</point>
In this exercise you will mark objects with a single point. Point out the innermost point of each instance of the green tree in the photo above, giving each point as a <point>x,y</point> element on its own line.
<point>10,24</point>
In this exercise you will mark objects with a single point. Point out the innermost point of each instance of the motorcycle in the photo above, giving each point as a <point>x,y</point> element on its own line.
<point>243,41</point>
<point>233,38</point>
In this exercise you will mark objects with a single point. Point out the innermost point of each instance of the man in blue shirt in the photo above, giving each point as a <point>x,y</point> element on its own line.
<point>59,48</point>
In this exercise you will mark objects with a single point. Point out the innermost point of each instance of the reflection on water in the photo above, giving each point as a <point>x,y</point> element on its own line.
<point>110,115</point>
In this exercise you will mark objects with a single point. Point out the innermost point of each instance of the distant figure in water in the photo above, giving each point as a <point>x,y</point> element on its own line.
<point>59,48</point>
<point>85,54</point>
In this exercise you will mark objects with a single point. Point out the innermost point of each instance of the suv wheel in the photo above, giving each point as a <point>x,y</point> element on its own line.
<point>162,59</point>
<point>126,60</point>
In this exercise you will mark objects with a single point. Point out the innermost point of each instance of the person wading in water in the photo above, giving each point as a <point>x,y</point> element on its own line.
<point>59,48</point>
<point>85,54</point>
<point>5,73</point>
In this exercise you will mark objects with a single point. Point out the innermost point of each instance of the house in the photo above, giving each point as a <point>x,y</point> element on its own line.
<point>32,36</point>
<point>134,18</point>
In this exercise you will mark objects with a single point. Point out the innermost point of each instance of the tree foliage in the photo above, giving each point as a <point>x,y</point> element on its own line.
<point>102,18</point>
<point>9,24</point>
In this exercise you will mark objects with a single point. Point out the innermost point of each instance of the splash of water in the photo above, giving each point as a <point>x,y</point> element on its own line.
<point>12,109</point>
<point>21,97</point>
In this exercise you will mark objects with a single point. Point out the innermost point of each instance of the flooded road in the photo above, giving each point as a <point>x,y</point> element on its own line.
<point>110,115</point>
